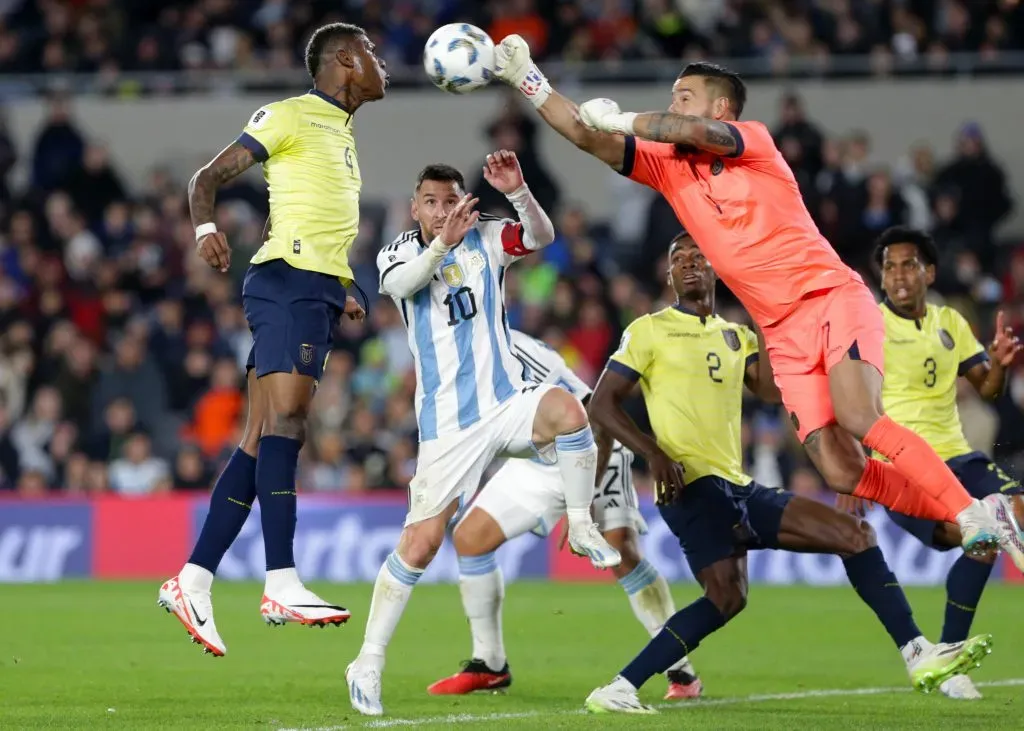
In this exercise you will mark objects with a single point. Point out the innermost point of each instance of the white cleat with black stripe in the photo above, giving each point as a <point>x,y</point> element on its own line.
<point>298,604</point>
<point>363,682</point>
<point>586,540</point>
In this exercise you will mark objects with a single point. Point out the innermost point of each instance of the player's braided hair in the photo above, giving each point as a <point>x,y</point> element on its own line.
<point>323,40</point>
<point>729,83</point>
<point>925,244</point>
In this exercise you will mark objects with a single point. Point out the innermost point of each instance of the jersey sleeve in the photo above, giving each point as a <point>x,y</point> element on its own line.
<point>751,351</point>
<point>636,351</point>
<point>969,351</point>
<point>269,131</point>
<point>753,141</point>
<point>647,162</point>
<point>393,256</point>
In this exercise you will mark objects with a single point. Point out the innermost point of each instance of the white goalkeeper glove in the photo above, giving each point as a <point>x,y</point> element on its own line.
<point>513,65</point>
<point>604,115</point>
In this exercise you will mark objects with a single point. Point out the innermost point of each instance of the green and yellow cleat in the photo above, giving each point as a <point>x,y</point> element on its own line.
<point>942,661</point>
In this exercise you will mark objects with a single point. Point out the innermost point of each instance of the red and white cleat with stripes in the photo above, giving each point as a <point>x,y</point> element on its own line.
<point>298,604</point>
<point>194,610</point>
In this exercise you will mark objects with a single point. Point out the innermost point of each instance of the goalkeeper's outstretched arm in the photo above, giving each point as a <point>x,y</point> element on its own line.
<point>514,66</point>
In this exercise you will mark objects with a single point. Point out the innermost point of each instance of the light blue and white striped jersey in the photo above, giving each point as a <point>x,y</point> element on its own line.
<point>457,327</point>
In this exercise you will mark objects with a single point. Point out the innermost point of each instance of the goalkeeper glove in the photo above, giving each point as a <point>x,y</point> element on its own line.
<point>604,115</point>
<point>513,65</point>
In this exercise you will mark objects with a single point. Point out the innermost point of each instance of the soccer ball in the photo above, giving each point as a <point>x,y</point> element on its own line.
<point>459,58</point>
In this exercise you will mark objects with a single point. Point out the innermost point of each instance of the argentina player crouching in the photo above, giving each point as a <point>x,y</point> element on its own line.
<point>472,406</point>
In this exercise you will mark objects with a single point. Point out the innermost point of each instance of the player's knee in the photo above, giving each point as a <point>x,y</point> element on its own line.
<point>476,537</point>
<point>291,424</point>
<point>726,587</point>
<point>420,542</point>
<point>563,413</point>
<point>858,417</point>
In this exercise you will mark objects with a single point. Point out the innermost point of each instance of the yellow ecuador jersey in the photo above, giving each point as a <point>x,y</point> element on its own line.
<point>923,359</point>
<point>309,159</point>
<point>691,371</point>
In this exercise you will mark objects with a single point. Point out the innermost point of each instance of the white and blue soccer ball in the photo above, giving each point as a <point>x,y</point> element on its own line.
<point>459,58</point>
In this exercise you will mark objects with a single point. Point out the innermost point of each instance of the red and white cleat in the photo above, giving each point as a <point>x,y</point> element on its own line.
<point>683,685</point>
<point>474,677</point>
<point>194,610</point>
<point>302,606</point>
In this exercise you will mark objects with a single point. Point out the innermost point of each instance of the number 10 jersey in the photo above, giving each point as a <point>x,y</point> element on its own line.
<point>457,327</point>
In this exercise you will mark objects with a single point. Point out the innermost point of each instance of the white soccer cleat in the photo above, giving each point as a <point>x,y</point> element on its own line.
<point>364,688</point>
<point>979,529</point>
<point>586,540</point>
<point>1011,539</point>
<point>931,666</point>
<point>616,697</point>
<point>960,687</point>
<point>194,610</point>
<point>299,604</point>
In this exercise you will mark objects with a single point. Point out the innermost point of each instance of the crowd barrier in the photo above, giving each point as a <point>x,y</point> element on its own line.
<point>345,539</point>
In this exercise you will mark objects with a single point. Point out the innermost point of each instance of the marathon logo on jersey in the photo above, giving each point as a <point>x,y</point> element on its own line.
<point>717,166</point>
<point>946,339</point>
<point>260,118</point>
<point>306,353</point>
<point>731,339</point>
<point>452,275</point>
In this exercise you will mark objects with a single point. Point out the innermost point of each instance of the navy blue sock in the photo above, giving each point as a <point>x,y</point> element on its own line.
<point>877,586</point>
<point>679,637</point>
<point>275,486</point>
<point>964,585</point>
<point>230,505</point>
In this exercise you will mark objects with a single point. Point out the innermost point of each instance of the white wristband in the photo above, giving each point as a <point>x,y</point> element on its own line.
<point>205,229</point>
<point>622,123</point>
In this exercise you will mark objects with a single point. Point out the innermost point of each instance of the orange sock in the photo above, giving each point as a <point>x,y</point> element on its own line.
<point>918,462</point>
<point>883,484</point>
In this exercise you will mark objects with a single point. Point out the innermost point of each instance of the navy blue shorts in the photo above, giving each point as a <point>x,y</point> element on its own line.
<point>715,519</point>
<point>291,313</point>
<point>979,475</point>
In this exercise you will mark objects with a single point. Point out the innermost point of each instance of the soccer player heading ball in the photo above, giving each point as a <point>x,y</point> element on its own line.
<point>731,189</point>
<point>294,293</point>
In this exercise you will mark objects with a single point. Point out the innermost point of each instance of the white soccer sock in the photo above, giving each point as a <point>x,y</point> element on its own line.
<point>650,599</point>
<point>483,590</point>
<point>391,593</point>
<point>195,578</point>
<point>279,580</point>
<point>577,463</point>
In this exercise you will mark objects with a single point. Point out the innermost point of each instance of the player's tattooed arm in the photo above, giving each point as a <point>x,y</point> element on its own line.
<point>563,116</point>
<point>759,377</point>
<point>685,129</point>
<point>232,161</point>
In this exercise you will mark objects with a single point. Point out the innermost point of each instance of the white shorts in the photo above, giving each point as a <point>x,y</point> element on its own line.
<point>526,496</point>
<point>451,467</point>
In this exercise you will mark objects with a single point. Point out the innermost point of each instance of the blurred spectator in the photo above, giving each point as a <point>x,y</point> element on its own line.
<point>58,148</point>
<point>138,472</point>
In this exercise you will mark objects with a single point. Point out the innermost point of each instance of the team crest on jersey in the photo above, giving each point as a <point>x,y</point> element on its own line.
<point>717,166</point>
<point>731,339</point>
<point>946,339</point>
<point>306,354</point>
<point>452,275</point>
<point>476,261</point>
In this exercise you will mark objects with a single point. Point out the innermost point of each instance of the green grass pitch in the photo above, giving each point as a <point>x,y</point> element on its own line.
<point>101,655</point>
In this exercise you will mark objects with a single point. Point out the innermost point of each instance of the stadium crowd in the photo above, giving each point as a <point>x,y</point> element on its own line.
<point>109,37</point>
<point>122,354</point>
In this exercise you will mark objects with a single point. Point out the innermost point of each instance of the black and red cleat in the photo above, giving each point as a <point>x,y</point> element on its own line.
<point>683,685</point>
<point>474,677</point>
